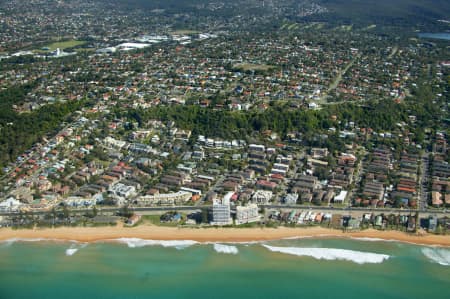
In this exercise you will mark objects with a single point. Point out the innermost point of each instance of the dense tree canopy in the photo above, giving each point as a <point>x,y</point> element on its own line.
<point>19,132</point>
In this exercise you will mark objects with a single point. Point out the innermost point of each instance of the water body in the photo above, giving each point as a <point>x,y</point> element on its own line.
<point>445,36</point>
<point>303,268</point>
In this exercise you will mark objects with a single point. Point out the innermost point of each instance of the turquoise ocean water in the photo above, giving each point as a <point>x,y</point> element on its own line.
<point>302,268</point>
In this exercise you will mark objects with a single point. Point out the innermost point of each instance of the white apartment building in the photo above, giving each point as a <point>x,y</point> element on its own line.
<point>221,210</point>
<point>247,214</point>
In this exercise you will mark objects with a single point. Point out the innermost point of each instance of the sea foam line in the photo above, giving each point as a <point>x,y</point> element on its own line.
<point>437,255</point>
<point>136,242</point>
<point>319,236</point>
<point>329,254</point>
<point>368,239</point>
<point>221,248</point>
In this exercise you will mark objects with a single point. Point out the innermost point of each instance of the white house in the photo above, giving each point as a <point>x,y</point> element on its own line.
<point>262,197</point>
<point>340,197</point>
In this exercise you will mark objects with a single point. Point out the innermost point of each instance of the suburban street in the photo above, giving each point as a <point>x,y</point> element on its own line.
<point>423,194</point>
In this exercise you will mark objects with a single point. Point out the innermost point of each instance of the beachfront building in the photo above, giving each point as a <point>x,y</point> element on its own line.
<point>10,205</point>
<point>247,214</point>
<point>122,191</point>
<point>133,219</point>
<point>221,210</point>
<point>78,201</point>
<point>291,198</point>
<point>180,197</point>
<point>340,198</point>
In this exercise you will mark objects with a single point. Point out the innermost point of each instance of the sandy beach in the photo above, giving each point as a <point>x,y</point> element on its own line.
<point>151,232</point>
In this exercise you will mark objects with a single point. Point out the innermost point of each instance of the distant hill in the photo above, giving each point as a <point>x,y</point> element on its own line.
<point>412,14</point>
<point>388,12</point>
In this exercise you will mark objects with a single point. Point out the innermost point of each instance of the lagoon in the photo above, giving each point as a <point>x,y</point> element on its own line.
<point>443,35</point>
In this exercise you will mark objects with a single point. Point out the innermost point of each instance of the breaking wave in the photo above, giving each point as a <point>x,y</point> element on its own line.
<point>329,254</point>
<point>438,255</point>
<point>136,242</point>
<point>226,249</point>
<point>71,251</point>
<point>74,248</point>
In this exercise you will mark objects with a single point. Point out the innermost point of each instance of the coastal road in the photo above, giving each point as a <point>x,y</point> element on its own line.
<point>345,210</point>
<point>116,209</point>
<point>423,182</point>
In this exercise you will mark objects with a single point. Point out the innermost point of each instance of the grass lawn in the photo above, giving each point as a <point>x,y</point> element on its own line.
<point>81,50</point>
<point>319,25</point>
<point>155,220</point>
<point>293,26</point>
<point>346,27</point>
<point>184,32</point>
<point>61,45</point>
<point>290,26</point>
<point>370,27</point>
<point>253,67</point>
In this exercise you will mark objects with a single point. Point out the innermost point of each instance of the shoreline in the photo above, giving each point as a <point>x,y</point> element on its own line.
<point>205,235</point>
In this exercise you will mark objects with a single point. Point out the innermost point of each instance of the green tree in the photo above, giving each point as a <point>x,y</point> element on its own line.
<point>205,215</point>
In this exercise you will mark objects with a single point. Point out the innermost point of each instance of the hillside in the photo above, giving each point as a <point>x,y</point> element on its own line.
<point>419,14</point>
<point>385,12</point>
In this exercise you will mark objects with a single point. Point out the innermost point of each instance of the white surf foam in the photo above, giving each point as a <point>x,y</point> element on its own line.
<point>136,242</point>
<point>358,257</point>
<point>8,242</point>
<point>367,239</point>
<point>370,239</point>
<point>438,255</point>
<point>226,249</point>
<point>71,251</point>
<point>74,249</point>
<point>308,237</point>
<point>244,243</point>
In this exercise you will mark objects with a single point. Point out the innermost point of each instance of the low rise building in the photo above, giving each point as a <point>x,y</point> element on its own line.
<point>247,214</point>
<point>164,199</point>
<point>10,205</point>
<point>291,199</point>
<point>340,198</point>
<point>436,199</point>
<point>262,197</point>
<point>77,201</point>
<point>133,219</point>
<point>257,147</point>
<point>267,185</point>
<point>122,190</point>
